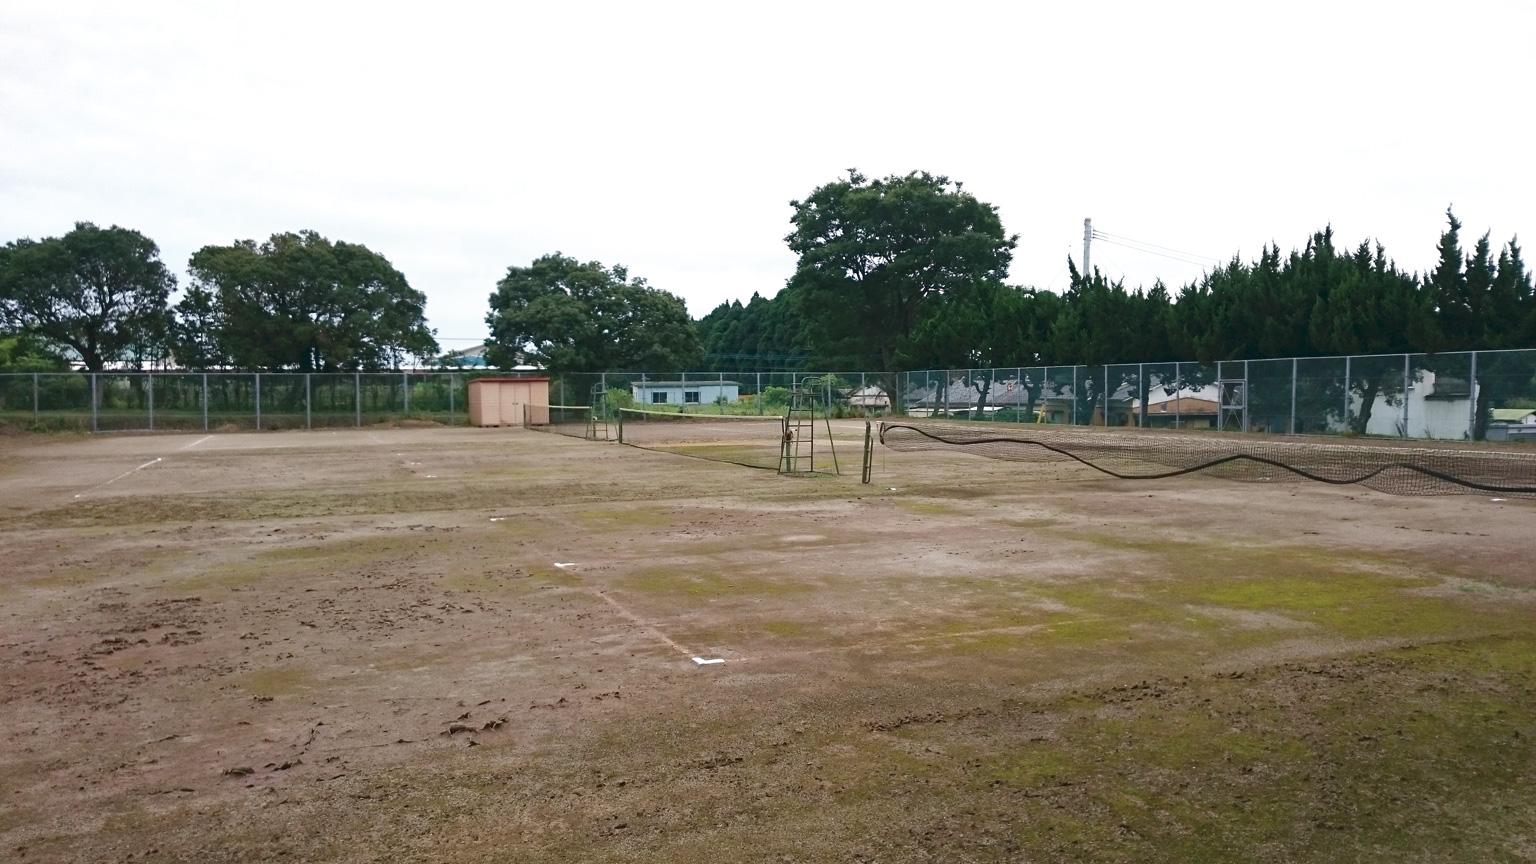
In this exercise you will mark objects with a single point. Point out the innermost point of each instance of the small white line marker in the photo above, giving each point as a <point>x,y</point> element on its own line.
<point>120,476</point>
<point>197,442</point>
<point>565,565</point>
<point>498,518</point>
<point>708,662</point>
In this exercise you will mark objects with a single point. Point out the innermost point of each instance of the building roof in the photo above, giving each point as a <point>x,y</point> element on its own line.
<point>503,379</point>
<point>702,382</point>
<point>1512,415</point>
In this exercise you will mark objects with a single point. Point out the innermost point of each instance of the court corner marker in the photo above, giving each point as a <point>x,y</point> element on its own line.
<point>708,661</point>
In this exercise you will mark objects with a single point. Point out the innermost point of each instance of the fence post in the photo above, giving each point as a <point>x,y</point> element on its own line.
<point>258,401</point>
<point>149,389</point>
<point>1293,396</point>
<point>357,397</point>
<point>36,416</point>
<point>1472,400</point>
<point>720,394</point>
<point>405,386</point>
<point>1106,395</point>
<point>1247,424</point>
<point>1178,396</point>
<point>308,423</point>
<point>95,397</point>
<point>759,392</point>
<point>453,384</point>
<point>1346,393</point>
<point>1141,395</point>
<point>1074,395</point>
<point>205,401</point>
<point>1406,377</point>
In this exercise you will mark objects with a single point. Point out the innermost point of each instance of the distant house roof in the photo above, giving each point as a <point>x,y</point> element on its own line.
<point>1514,415</point>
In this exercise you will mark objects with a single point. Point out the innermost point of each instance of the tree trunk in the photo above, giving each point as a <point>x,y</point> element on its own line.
<point>983,386</point>
<point>1480,419</point>
<point>1367,403</point>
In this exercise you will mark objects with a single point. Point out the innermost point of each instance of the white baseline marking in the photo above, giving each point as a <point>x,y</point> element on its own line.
<point>121,476</point>
<point>650,628</point>
<point>197,442</point>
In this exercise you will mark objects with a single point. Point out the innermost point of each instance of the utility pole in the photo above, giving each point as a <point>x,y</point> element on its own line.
<point>1087,239</point>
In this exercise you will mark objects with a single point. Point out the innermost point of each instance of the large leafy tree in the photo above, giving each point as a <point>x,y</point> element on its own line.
<point>99,292</point>
<point>569,316</point>
<point>874,255</point>
<point>300,302</point>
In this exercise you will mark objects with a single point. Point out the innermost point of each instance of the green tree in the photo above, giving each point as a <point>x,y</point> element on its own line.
<point>874,254</point>
<point>572,317</point>
<point>99,292</point>
<point>23,352</point>
<point>300,301</point>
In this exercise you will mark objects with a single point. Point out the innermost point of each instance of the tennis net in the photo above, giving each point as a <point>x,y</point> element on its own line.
<point>751,441</point>
<point>574,421</point>
<point>1148,455</point>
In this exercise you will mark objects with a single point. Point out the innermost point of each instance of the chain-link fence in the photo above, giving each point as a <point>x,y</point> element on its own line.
<point>219,401</point>
<point>1455,396</point>
<point>1477,395</point>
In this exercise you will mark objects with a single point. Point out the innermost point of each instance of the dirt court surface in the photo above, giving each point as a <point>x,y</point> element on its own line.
<point>476,645</point>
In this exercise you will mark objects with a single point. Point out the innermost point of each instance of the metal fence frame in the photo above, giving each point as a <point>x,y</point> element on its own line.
<point>1290,395</point>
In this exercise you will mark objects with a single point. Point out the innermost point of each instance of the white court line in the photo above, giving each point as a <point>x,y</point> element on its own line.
<point>651,628</point>
<point>197,442</point>
<point>121,476</point>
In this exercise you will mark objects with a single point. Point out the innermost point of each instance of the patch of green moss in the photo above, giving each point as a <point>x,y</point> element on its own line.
<point>276,681</point>
<point>710,581</point>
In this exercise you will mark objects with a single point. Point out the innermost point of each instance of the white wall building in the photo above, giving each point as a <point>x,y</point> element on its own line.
<point>685,393</point>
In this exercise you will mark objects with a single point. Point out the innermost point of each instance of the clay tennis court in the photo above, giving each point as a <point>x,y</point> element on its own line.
<point>442,644</point>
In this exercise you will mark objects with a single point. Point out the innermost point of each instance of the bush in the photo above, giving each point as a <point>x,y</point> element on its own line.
<point>776,396</point>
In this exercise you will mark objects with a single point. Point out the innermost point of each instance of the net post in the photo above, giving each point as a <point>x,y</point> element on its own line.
<point>1293,396</point>
<point>869,451</point>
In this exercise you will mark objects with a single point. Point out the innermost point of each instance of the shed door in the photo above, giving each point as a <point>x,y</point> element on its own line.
<point>511,413</point>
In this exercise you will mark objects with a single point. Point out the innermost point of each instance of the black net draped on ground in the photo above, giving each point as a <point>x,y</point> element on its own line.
<point>1149,455</point>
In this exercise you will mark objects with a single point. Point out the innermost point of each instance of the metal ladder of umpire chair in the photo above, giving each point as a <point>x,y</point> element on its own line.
<point>597,414</point>
<point>798,451</point>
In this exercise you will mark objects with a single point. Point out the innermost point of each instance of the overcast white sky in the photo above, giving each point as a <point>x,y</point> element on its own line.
<point>459,139</point>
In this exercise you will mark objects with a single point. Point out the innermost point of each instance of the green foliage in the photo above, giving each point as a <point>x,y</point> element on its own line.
<point>775,397</point>
<point>620,397</point>
<point>23,352</point>
<point>760,335</point>
<point>100,292</point>
<point>572,317</point>
<point>301,302</point>
<point>874,256</point>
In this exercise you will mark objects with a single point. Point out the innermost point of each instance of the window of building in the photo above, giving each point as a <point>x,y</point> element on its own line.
<point>658,397</point>
<point>690,396</point>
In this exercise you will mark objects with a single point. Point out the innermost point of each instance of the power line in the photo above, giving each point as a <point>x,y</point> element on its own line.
<point>1154,248</point>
